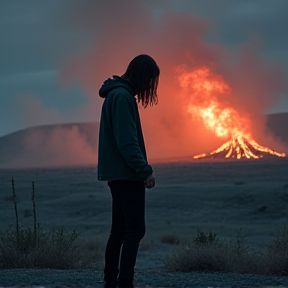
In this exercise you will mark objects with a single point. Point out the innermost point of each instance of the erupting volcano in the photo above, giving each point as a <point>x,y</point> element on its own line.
<point>239,147</point>
<point>208,102</point>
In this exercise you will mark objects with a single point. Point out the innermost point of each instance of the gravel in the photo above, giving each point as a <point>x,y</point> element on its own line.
<point>88,278</point>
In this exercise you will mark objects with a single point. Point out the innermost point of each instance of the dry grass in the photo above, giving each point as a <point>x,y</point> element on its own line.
<point>37,248</point>
<point>57,249</point>
<point>277,254</point>
<point>206,253</point>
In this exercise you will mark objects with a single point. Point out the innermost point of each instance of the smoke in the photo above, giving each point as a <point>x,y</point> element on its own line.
<point>60,146</point>
<point>174,39</point>
<point>32,108</point>
<point>51,146</point>
<point>123,29</point>
<point>257,86</point>
<point>171,39</point>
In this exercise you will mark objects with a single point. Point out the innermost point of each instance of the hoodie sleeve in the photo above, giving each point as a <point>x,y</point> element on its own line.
<point>124,117</point>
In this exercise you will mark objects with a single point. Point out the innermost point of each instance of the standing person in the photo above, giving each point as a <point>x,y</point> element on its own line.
<point>122,161</point>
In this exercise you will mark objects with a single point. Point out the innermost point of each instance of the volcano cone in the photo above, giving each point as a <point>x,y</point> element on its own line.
<point>240,147</point>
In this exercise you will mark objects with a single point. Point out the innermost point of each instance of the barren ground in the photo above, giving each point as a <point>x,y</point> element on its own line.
<point>219,196</point>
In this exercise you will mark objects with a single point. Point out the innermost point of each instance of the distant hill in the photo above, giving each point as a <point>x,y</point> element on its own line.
<point>50,145</point>
<point>76,144</point>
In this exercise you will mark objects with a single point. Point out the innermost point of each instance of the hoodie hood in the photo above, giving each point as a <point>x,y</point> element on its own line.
<point>112,83</point>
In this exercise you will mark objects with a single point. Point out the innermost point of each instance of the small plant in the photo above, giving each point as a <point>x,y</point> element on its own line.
<point>15,207</point>
<point>205,239</point>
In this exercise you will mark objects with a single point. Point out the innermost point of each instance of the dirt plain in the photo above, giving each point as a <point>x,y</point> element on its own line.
<point>222,197</point>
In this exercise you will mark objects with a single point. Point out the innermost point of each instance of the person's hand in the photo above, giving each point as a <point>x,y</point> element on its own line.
<point>150,182</point>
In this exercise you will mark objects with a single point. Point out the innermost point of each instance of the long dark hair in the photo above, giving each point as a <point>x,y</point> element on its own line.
<point>143,73</point>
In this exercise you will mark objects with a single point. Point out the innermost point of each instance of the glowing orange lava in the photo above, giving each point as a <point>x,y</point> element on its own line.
<point>209,94</point>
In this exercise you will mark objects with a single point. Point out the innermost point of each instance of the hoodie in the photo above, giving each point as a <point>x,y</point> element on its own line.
<point>121,149</point>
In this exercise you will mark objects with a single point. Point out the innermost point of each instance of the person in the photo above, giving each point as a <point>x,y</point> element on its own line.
<point>122,161</point>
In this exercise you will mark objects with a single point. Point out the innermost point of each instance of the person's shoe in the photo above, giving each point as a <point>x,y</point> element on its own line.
<point>110,284</point>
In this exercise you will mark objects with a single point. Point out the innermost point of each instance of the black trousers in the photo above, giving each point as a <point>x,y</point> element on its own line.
<point>128,228</point>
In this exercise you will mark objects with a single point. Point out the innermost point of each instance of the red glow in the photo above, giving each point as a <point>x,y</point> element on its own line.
<point>208,102</point>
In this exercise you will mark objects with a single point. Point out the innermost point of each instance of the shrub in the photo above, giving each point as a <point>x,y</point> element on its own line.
<point>202,239</point>
<point>203,253</point>
<point>206,253</point>
<point>51,249</point>
<point>277,254</point>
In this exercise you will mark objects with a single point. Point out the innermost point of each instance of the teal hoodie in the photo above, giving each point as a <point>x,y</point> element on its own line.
<point>121,150</point>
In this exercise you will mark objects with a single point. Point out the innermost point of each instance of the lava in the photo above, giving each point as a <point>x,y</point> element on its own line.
<point>240,147</point>
<point>209,101</point>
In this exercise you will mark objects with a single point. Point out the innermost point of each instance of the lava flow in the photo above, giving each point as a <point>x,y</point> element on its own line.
<point>239,147</point>
<point>208,102</point>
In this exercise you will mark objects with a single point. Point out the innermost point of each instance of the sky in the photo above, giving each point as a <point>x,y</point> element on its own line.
<point>55,55</point>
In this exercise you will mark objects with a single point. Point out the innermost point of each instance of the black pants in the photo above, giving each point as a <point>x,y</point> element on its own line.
<point>128,228</point>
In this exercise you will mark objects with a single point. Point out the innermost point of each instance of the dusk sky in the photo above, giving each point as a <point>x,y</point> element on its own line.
<point>55,54</point>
